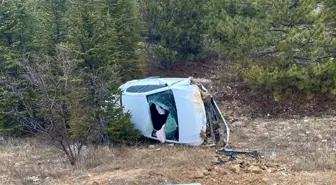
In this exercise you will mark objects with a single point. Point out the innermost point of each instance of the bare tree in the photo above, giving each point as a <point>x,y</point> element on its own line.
<point>54,98</point>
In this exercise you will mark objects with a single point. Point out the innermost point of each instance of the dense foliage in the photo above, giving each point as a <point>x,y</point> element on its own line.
<point>286,45</point>
<point>60,62</point>
<point>176,29</point>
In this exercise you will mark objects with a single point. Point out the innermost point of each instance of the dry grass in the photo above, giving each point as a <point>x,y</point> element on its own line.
<point>32,162</point>
<point>305,144</point>
<point>306,154</point>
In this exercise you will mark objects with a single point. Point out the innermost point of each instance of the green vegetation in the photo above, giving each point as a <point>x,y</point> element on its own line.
<point>60,60</point>
<point>176,29</point>
<point>290,45</point>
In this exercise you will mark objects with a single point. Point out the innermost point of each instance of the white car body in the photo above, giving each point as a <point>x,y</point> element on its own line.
<point>191,118</point>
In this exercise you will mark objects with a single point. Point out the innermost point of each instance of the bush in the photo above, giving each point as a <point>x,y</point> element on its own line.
<point>310,79</point>
<point>119,128</point>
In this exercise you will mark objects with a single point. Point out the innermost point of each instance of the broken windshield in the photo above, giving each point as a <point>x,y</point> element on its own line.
<point>163,113</point>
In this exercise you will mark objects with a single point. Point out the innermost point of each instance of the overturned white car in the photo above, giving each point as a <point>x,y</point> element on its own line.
<point>174,110</point>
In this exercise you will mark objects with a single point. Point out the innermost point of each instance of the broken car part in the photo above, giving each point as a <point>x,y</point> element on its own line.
<point>232,154</point>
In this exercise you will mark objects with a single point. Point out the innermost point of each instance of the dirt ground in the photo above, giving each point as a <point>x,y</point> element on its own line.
<point>295,137</point>
<point>298,151</point>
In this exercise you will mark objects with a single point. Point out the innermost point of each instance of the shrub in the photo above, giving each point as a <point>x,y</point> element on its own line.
<point>310,79</point>
<point>119,128</point>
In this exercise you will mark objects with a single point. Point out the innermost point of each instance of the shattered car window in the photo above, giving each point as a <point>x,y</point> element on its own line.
<point>163,112</point>
<point>143,88</point>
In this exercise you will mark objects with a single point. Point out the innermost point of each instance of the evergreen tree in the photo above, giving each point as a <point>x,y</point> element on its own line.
<point>236,29</point>
<point>176,27</point>
<point>94,37</point>
<point>297,30</point>
<point>16,42</point>
<point>328,7</point>
<point>300,49</point>
<point>289,40</point>
<point>128,27</point>
<point>50,23</point>
<point>16,32</point>
<point>92,33</point>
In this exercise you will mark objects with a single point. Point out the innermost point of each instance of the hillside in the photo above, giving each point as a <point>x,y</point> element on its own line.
<point>295,149</point>
<point>238,100</point>
<point>270,66</point>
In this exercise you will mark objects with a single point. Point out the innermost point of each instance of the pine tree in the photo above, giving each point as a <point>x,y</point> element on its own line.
<point>288,39</point>
<point>297,30</point>
<point>176,27</point>
<point>129,28</point>
<point>91,31</point>
<point>328,7</point>
<point>16,42</point>
<point>93,35</point>
<point>50,23</point>
<point>236,29</point>
<point>16,32</point>
<point>302,48</point>
<point>255,29</point>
